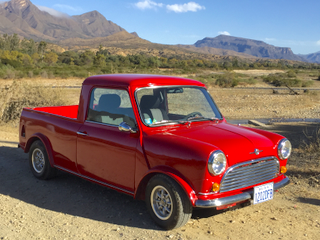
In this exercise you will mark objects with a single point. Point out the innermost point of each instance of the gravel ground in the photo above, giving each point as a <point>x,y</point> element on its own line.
<point>68,207</point>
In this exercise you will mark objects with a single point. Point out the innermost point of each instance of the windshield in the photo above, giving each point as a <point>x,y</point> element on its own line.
<point>167,105</point>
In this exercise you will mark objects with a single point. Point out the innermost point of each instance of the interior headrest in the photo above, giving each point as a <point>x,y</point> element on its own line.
<point>109,101</point>
<point>149,102</point>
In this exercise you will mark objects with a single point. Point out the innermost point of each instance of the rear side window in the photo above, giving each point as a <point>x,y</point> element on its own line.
<point>110,106</point>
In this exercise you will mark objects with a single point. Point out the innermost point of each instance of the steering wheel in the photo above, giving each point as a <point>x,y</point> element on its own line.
<point>193,114</point>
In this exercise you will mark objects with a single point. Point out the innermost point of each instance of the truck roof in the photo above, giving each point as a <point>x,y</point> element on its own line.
<point>139,80</point>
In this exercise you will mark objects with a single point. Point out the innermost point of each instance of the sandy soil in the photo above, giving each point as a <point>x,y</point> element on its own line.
<point>71,208</point>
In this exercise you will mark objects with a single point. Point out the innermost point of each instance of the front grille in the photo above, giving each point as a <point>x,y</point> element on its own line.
<point>249,173</point>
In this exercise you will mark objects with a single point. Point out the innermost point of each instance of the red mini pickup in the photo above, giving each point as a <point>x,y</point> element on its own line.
<point>156,138</point>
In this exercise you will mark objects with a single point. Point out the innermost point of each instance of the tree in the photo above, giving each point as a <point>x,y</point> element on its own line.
<point>86,58</point>
<point>99,60</point>
<point>26,60</point>
<point>50,58</point>
<point>35,57</point>
<point>28,46</point>
<point>42,48</point>
<point>14,42</point>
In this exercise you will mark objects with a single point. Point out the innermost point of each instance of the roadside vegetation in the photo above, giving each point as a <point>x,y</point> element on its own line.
<point>29,59</point>
<point>19,95</point>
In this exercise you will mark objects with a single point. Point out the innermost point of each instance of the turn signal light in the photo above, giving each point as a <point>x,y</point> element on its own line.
<point>215,187</point>
<point>283,169</point>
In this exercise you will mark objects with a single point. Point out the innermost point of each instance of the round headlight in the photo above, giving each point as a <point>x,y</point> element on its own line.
<point>217,163</point>
<point>284,149</point>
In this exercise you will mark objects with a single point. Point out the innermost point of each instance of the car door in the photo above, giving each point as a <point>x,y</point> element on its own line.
<point>105,153</point>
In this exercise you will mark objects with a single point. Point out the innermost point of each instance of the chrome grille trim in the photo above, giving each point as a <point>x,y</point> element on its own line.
<point>249,173</point>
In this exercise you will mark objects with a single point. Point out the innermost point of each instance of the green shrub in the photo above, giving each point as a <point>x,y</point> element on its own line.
<point>250,81</point>
<point>291,74</point>
<point>307,83</point>
<point>279,80</point>
<point>227,80</point>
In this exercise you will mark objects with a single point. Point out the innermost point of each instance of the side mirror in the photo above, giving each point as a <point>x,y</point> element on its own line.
<point>124,127</point>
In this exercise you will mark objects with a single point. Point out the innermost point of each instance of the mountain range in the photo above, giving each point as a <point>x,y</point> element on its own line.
<point>27,20</point>
<point>91,29</point>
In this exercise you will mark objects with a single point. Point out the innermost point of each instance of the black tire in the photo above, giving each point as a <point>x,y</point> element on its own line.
<point>39,162</point>
<point>167,203</point>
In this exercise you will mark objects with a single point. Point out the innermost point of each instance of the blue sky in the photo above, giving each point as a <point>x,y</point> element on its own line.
<point>283,23</point>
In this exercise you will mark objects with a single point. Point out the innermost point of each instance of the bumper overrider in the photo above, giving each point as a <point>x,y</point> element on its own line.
<point>236,198</point>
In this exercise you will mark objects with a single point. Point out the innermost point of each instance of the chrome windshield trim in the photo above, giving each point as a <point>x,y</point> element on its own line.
<point>170,86</point>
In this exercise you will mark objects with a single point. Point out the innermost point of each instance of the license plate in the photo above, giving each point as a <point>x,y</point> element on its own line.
<point>263,193</point>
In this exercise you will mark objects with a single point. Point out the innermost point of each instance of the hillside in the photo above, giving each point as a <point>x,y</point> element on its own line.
<point>313,57</point>
<point>27,20</point>
<point>216,51</point>
<point>248,46</point>
<point>92,29</point>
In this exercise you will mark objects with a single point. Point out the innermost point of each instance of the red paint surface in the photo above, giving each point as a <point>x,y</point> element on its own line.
<point>125,161</point>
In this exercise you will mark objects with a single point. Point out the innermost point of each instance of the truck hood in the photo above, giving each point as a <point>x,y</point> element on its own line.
<point>238,143</point>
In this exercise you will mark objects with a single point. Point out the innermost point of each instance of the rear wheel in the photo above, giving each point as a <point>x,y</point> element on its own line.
<point>39,161</point>
<point>167,203</point>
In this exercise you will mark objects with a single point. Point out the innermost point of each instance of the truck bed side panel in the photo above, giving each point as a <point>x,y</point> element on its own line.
<point>61,132</point>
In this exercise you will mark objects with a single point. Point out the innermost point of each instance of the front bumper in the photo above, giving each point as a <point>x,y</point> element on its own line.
<point>235,198</point>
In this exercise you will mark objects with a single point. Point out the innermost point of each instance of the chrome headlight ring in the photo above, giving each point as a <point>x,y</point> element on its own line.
<point>217,163</point>
<point>284,149</point>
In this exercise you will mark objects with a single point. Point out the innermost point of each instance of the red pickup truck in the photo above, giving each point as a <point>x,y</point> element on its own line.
<point>156,138</point>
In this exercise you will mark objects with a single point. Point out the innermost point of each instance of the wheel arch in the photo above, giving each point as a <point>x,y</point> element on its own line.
<point>45,141</point>
<point>140,192</point>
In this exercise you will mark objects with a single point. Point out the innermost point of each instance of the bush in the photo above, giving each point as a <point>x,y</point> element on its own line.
<point>227,80</point>
<point>30,74</point>
<point>279,80</point>
<point>291,74</point>
<point>312,145</point>
<point>44,74</point>
<point>250,81</point>
<point>20,95</point>
<point>307,83</point>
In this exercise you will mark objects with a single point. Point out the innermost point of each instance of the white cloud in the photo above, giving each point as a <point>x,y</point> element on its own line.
<point>63,7</point>
<point>224,33</point>
<point>318,43</point>
<point>270,39</point>
<point>187,7</point>
<point>148,4</point>
<point>53,12</point>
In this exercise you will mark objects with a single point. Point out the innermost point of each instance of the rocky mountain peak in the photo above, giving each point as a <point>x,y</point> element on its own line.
<point>18,4</point>
<point>27,20</point>
<point>248,46</point>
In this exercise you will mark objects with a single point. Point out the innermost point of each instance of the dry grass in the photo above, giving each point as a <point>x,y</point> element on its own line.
<point>20,94</point>
<point>311,145</point>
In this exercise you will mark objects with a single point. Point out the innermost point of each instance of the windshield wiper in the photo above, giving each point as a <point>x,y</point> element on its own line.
<point>188,120</point>
<point>201,118</point>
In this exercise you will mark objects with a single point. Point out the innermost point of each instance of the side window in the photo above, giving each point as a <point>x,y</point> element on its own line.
<point>110,106</point>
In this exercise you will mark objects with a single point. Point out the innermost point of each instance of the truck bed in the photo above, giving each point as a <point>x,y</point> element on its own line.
<point>64,111</point>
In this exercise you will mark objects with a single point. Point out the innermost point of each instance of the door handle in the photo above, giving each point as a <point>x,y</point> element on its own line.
<point>82,133</point>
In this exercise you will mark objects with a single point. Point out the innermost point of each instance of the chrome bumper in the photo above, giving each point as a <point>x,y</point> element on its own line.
<point>235,198</point>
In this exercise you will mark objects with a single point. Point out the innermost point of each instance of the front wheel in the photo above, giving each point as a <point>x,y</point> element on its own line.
<point>39,161</point>
<point>167,203</point>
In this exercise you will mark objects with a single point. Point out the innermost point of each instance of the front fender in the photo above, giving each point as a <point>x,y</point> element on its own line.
<point>172,173</point>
